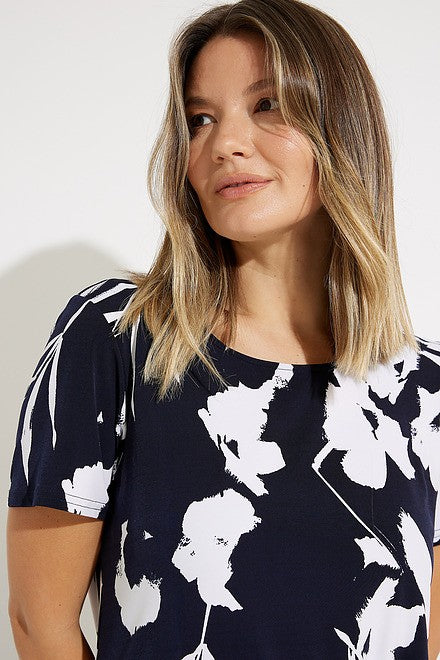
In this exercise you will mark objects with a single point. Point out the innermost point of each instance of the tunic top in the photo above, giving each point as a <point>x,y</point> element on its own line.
<point>291,514</point>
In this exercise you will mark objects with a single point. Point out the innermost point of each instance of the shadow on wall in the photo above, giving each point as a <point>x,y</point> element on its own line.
<point>33,293</point>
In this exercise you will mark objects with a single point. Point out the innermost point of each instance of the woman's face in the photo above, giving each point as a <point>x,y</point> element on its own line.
<point>234,131</point>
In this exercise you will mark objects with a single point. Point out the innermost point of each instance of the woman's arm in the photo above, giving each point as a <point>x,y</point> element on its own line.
<point>51,556</point>
<point>68,645</point>
<point>434,621</point>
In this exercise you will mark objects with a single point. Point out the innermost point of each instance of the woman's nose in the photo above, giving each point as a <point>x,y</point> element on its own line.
<point>232,137</point>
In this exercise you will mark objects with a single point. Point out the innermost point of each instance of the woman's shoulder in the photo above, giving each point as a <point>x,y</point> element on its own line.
<point>91,313</point>
<point>104,300</point>
<point>110,296</point>
<point>405,370</point>
<point>428,362</point>
<point>429,346</point>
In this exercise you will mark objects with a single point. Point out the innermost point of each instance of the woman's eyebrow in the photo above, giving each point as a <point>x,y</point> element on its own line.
<point>198,101</point>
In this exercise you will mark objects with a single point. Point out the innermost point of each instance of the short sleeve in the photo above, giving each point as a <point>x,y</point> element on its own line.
<point>68,441</point>
<point>437,522</point>
<point>428,448</point>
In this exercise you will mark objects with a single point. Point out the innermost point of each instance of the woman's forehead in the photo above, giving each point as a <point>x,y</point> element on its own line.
<point>241,60</point>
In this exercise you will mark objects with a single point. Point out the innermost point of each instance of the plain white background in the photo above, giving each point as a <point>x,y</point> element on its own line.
<point>83,90</point>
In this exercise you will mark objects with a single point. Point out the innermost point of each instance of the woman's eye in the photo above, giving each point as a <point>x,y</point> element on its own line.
<point>266,100</point>
<point>191,121</point>
<point>193,126</point>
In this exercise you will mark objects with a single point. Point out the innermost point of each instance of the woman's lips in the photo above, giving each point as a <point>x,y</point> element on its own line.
<point>232,192</point>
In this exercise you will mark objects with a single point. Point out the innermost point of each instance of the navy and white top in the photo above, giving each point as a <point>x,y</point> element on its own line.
<point>290,515</point>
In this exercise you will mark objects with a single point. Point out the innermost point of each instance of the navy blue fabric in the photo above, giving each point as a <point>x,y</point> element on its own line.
<point>289,515</point>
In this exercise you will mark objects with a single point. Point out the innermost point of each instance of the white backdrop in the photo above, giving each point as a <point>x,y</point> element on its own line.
<point>83,88</point>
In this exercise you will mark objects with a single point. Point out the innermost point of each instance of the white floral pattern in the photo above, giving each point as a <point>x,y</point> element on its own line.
<point>219,506</point>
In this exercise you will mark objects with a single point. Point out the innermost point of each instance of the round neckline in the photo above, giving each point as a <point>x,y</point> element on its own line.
<point>259,361</point>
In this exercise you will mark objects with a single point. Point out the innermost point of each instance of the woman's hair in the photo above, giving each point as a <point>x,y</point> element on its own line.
<point>326,91</point>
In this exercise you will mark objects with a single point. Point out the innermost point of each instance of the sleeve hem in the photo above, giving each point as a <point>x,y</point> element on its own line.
<point>97,513</point>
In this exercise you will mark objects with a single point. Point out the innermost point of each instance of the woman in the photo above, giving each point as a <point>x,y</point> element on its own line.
<point>286,507</point>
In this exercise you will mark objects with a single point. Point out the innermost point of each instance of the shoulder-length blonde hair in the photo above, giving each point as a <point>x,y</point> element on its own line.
<point>325,90</point>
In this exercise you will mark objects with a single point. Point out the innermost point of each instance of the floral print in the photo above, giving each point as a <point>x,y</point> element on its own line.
<point>291,514</point>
